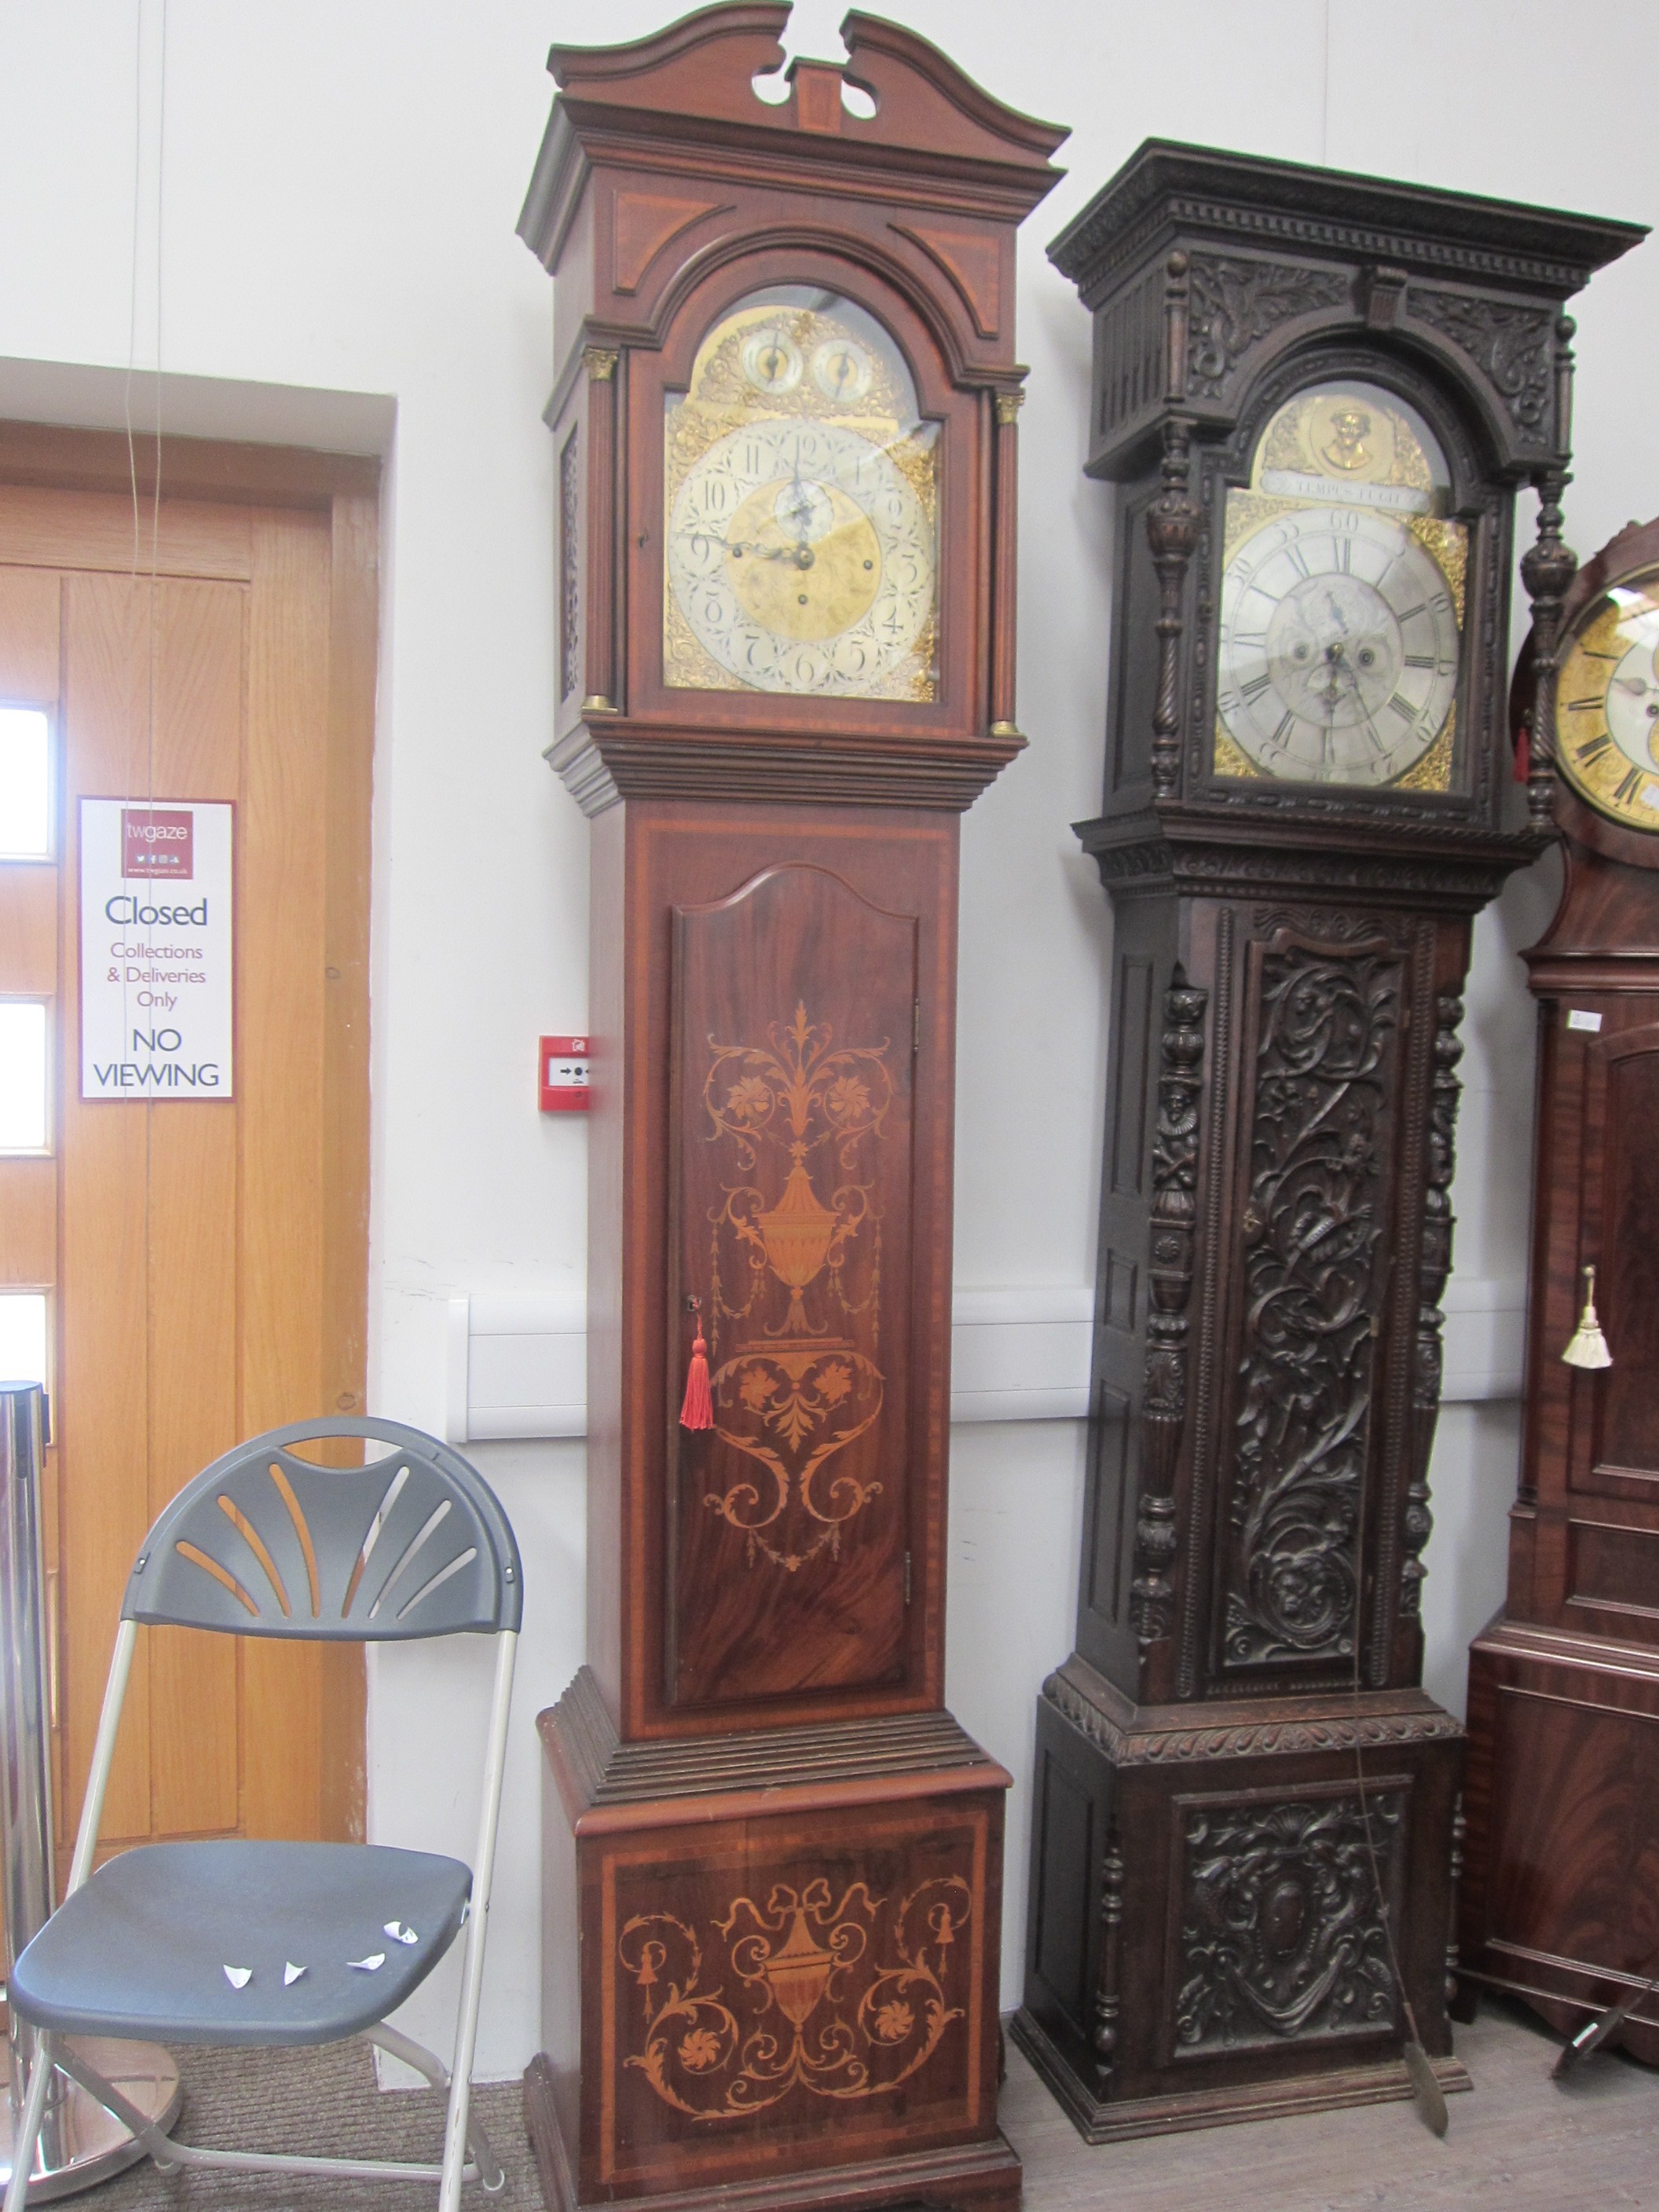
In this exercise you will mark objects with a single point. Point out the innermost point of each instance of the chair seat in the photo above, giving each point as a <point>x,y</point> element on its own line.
<point>141,1949</point>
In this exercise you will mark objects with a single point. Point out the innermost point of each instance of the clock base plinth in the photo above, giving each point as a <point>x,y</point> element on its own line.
<point>1102,2120</point>
<point>770,1966</point>
<point>1207,1944</point>
<point>978,2177</point>
<point>1563,1803</point>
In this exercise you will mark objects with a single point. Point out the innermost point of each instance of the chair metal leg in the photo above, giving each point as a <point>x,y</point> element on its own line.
<point>169,2154</point>
<point>28,2130</point>
<point>456,2130</point>
<point>492,2174</point>
<point>397,2045</point>
<point>162,2149</point>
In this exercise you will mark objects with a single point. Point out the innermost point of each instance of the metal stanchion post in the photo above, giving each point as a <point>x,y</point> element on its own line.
<point>80,2143</point>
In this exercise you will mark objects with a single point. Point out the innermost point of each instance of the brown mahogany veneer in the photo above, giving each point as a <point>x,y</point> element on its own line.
<point>1246,1816</point>
<point>772,1860</point>
<point>1562,1870</point>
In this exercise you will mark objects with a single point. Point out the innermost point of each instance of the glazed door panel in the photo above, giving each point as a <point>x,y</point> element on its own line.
<point>795,1008</point>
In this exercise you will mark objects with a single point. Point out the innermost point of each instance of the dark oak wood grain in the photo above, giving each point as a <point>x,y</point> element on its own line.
<point>1246,1809</point>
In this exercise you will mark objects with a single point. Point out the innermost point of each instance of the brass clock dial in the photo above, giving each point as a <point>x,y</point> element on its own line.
<point>801,495</point>
<point>1339,647</point>
<point>1607,712</point>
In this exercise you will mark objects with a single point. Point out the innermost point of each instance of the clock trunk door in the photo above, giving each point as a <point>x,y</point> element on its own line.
<point>1612,1535</point>
<point>1627,1203</point>
<point>792,1121</point>
<point>1322,1060</point>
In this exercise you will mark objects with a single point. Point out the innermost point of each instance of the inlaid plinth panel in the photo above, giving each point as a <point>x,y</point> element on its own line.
<point>814,1945</point>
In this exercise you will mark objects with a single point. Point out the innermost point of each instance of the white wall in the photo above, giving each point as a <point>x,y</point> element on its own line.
<point>341,181</point>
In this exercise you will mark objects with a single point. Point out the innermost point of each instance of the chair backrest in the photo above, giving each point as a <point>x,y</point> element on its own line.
<point>266,1543</point>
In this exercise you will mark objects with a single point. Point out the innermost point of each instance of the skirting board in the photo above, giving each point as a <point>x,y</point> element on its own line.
<point>517,1363</point>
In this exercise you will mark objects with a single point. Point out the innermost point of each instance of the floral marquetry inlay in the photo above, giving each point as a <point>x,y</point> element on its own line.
<point>842,1998</point>
<point>794,1260</point>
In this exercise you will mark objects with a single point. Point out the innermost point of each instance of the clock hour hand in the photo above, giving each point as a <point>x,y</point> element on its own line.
<point>742,545</point>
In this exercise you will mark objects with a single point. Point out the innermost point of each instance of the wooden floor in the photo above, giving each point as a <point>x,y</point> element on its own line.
<point>1519,2141</point>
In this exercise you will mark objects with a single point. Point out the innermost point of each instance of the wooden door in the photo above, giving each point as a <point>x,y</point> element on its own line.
<point>204,1260</point>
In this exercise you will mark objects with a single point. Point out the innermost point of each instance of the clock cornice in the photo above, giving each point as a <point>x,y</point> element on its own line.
<point>1244,200</point>
<point>690,88</point>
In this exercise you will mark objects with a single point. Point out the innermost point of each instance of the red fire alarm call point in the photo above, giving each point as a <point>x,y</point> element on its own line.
<point>563,1074</point>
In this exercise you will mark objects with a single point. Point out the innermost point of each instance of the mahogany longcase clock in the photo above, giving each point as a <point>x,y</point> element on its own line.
<point>1319,394</point>
<point>784,429</point>
<point>1560,1894</point>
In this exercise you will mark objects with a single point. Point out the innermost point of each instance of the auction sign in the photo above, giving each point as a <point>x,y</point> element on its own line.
<point>155,948</point>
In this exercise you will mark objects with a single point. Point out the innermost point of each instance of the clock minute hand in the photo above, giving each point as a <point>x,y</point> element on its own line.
<point>742,545</point>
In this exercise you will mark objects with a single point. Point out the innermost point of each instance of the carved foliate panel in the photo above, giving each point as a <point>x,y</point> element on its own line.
<point>1428,1354</point>
<point>1283,1935</point>
<point>1315,1224</point>
<point>759,1986</point>
<point>796,1017</point>
<point>1170,1278</point>
<point>1234,304</point>
<point>1512,345</point>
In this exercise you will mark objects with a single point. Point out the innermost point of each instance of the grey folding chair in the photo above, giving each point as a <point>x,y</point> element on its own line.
<point>253,1943</point>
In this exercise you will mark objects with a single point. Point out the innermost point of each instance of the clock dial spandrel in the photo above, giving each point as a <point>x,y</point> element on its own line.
<point>1607,710</point>
<point>1339,648</point>
<point>801,500</point>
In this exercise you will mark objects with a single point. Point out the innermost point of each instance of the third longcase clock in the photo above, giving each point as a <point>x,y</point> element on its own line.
<point>784,438</point>
<point>1557,1898</point>
<point>1319,394</point>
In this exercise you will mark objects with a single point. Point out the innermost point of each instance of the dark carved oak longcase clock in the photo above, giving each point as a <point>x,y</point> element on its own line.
<point>1319,395</point>
<point>784,434</point>
<point>1558,1895</point>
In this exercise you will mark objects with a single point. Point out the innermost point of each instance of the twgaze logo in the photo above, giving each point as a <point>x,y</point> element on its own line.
<point>158,840</point>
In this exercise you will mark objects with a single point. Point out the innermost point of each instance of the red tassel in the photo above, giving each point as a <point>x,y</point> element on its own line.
<point>698,1410</point>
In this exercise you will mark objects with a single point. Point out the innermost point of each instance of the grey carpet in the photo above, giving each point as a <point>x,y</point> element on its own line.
<point>318,2101</point>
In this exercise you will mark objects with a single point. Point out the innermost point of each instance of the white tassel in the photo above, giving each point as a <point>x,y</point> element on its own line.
<point>1587,1346</point>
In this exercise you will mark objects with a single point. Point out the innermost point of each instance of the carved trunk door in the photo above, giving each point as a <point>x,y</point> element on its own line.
<point>795,1016</point>
<point>1323,1054</point>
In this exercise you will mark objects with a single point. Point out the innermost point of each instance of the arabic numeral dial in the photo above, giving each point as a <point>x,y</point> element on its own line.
<point>801,558</point>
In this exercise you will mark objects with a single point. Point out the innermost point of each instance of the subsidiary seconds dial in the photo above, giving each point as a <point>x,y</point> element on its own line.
<point>1338,654</point>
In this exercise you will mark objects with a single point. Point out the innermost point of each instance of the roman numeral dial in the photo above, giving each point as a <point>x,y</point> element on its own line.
<point>1340,646</point>
<point>1606,714</point>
